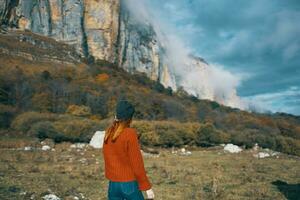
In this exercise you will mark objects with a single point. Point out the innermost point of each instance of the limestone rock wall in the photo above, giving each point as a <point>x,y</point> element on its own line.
<point>140,49</point>
<point>89,25</point>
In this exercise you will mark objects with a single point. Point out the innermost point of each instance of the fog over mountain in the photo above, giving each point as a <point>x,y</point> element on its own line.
<point>206,81</point>
<point>255,50</point>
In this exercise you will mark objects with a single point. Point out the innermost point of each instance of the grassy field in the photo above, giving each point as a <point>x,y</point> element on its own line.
<point>208,173</point>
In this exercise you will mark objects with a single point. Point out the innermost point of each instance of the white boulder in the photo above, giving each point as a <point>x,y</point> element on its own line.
<point>232,148</point>
<point>97,139</point>
<point>78,145</point>
<point>50,197</point>
<point>262,155</point>
<point>46,148</point>
<point>28,148</point>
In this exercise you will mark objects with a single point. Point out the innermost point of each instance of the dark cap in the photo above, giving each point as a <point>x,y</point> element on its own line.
<point>125,110</point>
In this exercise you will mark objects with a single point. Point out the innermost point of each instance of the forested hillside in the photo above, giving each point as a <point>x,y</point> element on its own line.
<point>48,90</point>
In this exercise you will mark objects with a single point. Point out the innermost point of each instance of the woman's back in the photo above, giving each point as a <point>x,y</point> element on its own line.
<point>123,159</point>
<point>124,165</point>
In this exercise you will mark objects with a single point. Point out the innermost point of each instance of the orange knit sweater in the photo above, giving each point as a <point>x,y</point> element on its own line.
<point>124,161</point>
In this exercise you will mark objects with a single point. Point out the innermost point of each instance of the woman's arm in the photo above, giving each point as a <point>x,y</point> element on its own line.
<point>136,160</point>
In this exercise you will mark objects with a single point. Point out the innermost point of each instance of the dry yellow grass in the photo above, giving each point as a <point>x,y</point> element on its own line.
<point>206,174</point>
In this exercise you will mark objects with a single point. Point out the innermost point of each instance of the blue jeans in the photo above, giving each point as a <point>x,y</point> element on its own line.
<point>124,190</point>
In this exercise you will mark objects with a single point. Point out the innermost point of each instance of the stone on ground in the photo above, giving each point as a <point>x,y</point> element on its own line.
<point>232,148</point>
<point>97,139</point>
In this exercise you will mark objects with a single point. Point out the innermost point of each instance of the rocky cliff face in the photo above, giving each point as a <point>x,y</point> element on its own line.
<point>140,49</point>
<point>106,29</point>
<point>91,26</point>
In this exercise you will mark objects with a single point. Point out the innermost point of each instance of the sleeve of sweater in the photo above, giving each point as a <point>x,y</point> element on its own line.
<point>136,161</point>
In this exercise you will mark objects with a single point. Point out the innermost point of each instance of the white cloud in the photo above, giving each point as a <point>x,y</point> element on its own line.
<point>283,101</point>
<point>253,40</point>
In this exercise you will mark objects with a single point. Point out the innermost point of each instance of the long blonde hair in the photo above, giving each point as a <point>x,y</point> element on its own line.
<point>116,129</point>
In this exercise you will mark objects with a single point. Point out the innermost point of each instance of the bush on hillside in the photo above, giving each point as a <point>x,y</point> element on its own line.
<point>208,135</point>
<point>79,110</point>
<point>150,138</point>
<point>246,138</point>
<point>174,110</point>
<point>45,129</point>
<point>170,133</point>
<point>288,145</point>
<point>81,128</point>
<point>24,121</point>
<point>169,138</point>
<point>41,102</point>
<point>7,113</point>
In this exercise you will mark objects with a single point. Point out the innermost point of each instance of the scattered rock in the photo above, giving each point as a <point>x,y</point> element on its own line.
<point>48,142</point>
<point>262,155</point>
<point>232,148</point>
<point>83,161</point>
<point>71,198</point>
<point>182,151</point>
<point>28,148</point>
<point>150,150</point>
<point>50,197</point>
<point>266,153</point>
<point>82,196</point>
<point>78,145</point>
<point>97,139</point>
<point>46,148</point>
<point>149,154</point>
<point>255,147</point>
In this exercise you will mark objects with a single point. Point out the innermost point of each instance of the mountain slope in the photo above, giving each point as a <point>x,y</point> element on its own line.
<point>40,74</point>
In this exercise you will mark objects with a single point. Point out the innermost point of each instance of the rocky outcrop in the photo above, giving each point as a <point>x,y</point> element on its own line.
<point>99,28</point>
<point>140,50</point>
<point>33,47</point>
<point>101,24</point>
<point>90,26</point>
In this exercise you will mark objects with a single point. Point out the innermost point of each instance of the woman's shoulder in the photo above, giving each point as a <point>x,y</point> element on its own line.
<point>130,131</point>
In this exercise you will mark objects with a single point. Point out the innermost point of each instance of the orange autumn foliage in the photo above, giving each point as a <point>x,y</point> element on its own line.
<point>102,77</point>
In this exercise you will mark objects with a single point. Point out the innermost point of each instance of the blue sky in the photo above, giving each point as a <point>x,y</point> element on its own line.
<point>258,40</point>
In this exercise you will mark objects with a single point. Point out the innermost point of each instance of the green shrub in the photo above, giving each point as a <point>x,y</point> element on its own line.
<point>167,133</point>
<point>24,121</point>
<point>150,138</point>
<point>265,141</point>
<point>169,138</point>
<point>187,132</point>
<point>45,130</point>
<point>208,135</point>
<point>80,128</point>
<point>288,145</point>
<point>246,138</point>
<point>204,136</point>
<point>79,110</point>
<point>6,115</point>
